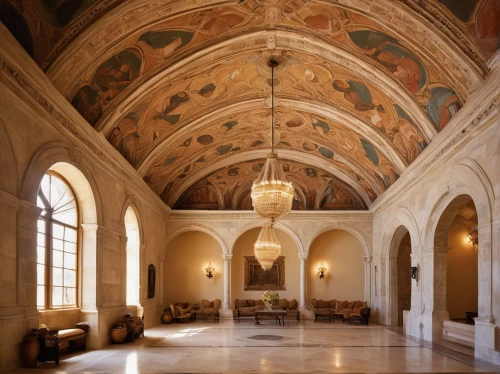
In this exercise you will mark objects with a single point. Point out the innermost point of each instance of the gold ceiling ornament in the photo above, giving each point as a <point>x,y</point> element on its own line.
<point>267,248</point>
<point>272,193</point>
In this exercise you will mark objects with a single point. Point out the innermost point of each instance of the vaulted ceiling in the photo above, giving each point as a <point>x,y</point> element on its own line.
<point>182,88</point>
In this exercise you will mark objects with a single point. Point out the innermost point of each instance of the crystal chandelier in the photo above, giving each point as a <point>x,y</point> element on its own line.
<point>272,193</point>
<point>267,248</point>
<point>272,197</point>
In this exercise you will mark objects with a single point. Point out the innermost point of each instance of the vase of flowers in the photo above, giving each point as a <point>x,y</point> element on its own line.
<point>268,297</point>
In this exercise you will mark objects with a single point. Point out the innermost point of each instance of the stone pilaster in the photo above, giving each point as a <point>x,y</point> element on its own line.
<point>368,278</point>
<point>227,281</point>
<point>303,276</point>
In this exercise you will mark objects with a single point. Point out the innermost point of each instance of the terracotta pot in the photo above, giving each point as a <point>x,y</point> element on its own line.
<point>30,349</point>
<point>166,317</point>
<point>118,334</point>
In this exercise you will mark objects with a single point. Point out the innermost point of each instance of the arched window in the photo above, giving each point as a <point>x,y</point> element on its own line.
<point>57,251</point>
<point>133,261</point>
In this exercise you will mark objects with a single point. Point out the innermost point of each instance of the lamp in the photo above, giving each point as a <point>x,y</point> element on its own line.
<point>473,237</point>
<point>272,193</point>
<point>267,248</point>
<point>210,270</point>
<point>321,271</point>
<point>414,271</point>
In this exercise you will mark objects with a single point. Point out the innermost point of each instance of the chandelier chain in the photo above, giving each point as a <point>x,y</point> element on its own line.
<point>272,108</point>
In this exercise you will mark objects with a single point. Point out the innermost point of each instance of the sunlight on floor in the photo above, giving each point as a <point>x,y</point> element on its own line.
<point>186,333</point>
<point>131,365</point>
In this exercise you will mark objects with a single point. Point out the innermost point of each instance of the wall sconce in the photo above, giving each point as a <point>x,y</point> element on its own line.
<point>210,271</point>
<point>321,271</point>
<point>414,271</point>
<point>472,238</point>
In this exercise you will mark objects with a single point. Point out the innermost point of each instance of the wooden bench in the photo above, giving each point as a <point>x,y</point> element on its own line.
<point>53,342</point>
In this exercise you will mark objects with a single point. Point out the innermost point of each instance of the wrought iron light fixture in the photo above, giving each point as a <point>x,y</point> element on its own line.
<point>210,271</point>
<point>272,197</point>
<point>414,272</point>
<point>473,237</point>
<point>321,270</point>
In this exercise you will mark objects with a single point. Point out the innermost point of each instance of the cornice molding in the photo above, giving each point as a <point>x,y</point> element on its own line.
<point>435,16</point>
<point>250,215</point>
<point>75,28</point>
<point>72,123</point>
<point>478,113</point>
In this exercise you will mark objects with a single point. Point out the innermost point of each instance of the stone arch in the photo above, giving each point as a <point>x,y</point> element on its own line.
<point>352,230</point>
<point>389,246</point>
<point>70,163</point>
<point>196,227</point>
<point>133,203</point>
<point>392,268</point>
<point>469,179</point>
<point>277,225</point>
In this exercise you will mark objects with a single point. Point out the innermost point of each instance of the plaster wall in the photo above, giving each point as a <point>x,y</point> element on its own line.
<point>461,274</point>
<point>184,269</point>
<point>344,279</point>
<point>40,130</point>
<point>244,247</point>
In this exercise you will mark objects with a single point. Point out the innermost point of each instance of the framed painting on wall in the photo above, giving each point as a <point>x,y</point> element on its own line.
<point>258,279</point>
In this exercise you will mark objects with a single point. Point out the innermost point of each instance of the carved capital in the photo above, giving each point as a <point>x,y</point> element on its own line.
<point>227,258</point>
<point>368,259</point>
<point>303,256</point>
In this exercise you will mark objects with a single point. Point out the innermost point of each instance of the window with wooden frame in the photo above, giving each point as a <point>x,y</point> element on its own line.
<point>57,244</point>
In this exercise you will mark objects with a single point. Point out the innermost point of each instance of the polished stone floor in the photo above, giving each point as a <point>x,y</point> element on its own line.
<point>243,347</point>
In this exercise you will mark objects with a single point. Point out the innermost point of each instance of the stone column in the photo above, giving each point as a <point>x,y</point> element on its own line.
<point>368,276</point>
<point>227,281</point>
<point>27,253</point>
<point>439,310</point>
<point>303,273</point>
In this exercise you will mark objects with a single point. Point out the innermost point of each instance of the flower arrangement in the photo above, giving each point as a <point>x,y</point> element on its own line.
<point>268,297</point>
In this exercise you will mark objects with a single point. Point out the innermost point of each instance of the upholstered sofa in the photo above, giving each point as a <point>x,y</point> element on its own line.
<point>202,309</point>
<point>245,308</point>
<point>205,309</point>
<point>328,309</point>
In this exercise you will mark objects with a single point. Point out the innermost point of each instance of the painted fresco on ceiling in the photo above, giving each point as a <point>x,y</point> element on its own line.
<point>407,68</point>
<point>245,76</point>
<point>229,188</point>
<point>163,42</point>
<point>295,130</point>
<point>110,78</point>
<point>481,20</point>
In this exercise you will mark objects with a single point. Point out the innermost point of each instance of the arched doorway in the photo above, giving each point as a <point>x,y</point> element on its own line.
<point>456,278</point>
<point>342,255</point>
<point>404,277</point>
<point>400,275</point>
<point>133,257</point>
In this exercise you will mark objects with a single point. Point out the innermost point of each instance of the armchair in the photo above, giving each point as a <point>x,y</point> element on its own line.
<point>363,317</point>
<point>180,314</point>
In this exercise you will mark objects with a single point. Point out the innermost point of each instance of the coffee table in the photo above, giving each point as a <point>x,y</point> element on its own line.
<point>279,314</point>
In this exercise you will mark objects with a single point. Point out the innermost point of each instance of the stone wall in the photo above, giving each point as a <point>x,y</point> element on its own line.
<point>40,130</point>
<point>464,159</point>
